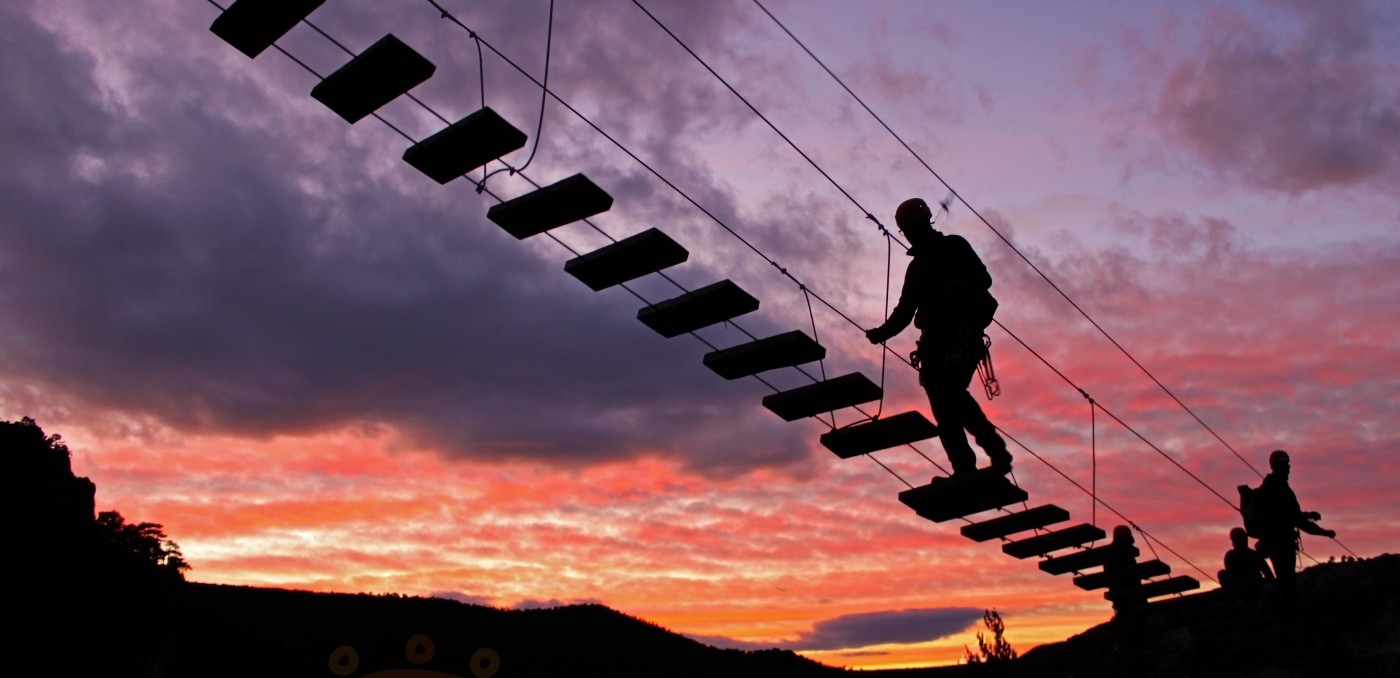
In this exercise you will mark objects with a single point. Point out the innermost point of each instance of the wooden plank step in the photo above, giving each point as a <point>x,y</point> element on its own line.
<point>251,26</point>
<point>627,259</point>
<point>464,146</point>
<point>881,434</point>
<point>1088,558</point>
<point>1156,589</point>
<point>1123,577</point>
<point>555,205</point>
<point>1043,544</point>
<point>1020,521</point>
<point>950,498</point>
<point>701,308</point>
<point>783,350</point>
<point>824,396</point>
<point>380,74</point>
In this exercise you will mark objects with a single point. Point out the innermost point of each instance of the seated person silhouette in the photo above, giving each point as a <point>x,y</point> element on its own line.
<point>1247,576</point>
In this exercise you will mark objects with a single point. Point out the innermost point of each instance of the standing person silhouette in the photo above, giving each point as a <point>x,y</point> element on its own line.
<point>945,295</point>
<point>1122,560</point>
<point>1282,518</point>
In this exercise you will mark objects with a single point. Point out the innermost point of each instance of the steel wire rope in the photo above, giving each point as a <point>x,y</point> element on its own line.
<point>481,187</point>
<point>544,98</point>
<point>544,88</point>
<point>746,333</point>
<point>746,102</point>
<point>889,270</point>
<point>815,337</point>
<point>1105,504</point>
<point>688,292</point>
<point>643,299</point>
<point>843,191</point>
<point>1005,240</point>
<point>660,177</point>
<point>1122,423</point>
<point>445,14</point>
<point>766,121</point>
<point>736,326</point>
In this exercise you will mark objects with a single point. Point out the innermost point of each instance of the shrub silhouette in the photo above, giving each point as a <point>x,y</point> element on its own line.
<point>993,650</point>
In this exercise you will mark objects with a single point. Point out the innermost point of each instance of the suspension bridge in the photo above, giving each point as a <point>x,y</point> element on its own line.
<point>990,503</point>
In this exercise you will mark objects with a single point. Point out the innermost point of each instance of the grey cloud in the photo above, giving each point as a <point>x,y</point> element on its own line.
<point>889,627</point>
<point>1292,112</point>
<point>186,236</point>
<point>902,87</point>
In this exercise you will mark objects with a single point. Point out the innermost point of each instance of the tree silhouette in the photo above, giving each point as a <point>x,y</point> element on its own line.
<point>145,542</point>
<point>41,492</point>
<point>107,590</point>
<point>997,650</point>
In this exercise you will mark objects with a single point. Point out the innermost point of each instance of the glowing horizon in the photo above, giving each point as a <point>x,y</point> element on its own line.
<point>255,325</point>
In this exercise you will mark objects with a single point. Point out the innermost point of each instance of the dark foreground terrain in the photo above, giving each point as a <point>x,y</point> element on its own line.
<point>240,631</point>
<point>1347,623</point>
<point>92,595</point>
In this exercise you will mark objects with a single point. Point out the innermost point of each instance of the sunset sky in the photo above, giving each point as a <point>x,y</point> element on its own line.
<point>256,325</point>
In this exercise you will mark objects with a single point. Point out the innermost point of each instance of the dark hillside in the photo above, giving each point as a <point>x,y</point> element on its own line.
<point>241,631</point>
<point>1347,623</point>
<point>94,595</point>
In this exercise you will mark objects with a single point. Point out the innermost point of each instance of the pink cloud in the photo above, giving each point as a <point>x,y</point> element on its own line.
<point>1310,109</point>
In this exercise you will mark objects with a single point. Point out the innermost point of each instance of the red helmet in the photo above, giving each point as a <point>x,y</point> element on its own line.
<point>911,211</point>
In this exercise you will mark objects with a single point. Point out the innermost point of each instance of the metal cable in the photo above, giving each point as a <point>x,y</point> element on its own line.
<point>770,124</point>
<point>1005,240</point>
<point>544,89</point>
<point>782,270</point>
<point>712,347</point>
<point>843,191</point>
<point>1115,418</point>
<point>1105,504</point>
<point>660,177</point>
<point>805,290</point>
<point>889,270</point>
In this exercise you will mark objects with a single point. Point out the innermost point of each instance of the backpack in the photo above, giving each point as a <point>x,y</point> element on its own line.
<point>1252,510</point>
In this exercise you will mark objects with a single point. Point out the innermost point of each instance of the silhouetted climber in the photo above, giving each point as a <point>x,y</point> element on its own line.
<point>945,295</point>
<point>1122,540</point>
<point>1246,576</point>
<point>1272,514</point>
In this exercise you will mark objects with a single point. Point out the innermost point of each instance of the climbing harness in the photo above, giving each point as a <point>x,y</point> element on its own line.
<point>985,372</point>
